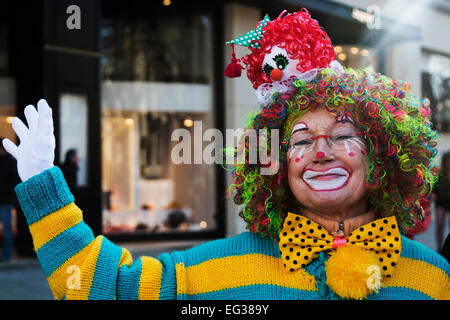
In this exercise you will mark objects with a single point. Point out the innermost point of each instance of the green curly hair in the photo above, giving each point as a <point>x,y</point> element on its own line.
<point>400,140</point>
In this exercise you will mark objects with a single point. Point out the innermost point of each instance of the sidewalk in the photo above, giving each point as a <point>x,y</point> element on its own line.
<point>23,278</point>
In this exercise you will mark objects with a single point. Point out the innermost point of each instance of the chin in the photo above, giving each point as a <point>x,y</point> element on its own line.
<point>325,198</point>
<point>329,199</point>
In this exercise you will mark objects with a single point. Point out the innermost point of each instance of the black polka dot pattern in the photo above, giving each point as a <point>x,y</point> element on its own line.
<point>382,236</point>
<point>301,241</point>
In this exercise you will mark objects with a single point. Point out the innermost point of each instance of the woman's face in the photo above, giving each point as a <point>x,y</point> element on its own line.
<point>327,163</point>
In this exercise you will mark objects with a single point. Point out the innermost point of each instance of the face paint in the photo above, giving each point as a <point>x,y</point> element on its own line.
<point>341,140</point>
<point>347,149</point>
<point>354,142</point>
<point>326,180</point>
<point>299,127</point>
<point>335,180</point>
<point>345,118</point>
<point>342,119</point>
<point>320,155</point>
<point>290,153</point>
<point>358,143</point>
<point>299,154</point>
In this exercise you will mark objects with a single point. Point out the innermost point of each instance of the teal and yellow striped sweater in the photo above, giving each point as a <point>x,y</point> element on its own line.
<point>243,267</point>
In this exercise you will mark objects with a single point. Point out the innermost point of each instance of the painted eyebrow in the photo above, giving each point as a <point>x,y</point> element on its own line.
<point>344,119</point>
<point>301,126</point>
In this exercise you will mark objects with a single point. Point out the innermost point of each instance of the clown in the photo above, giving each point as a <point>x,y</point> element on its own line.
<point>288,48</point>
<point>356,159</point>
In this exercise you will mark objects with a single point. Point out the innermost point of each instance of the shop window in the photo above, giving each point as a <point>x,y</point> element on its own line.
<point>73,118</point>
<point>436,88</point>
<point>355,56</point>
<point>7,101</point>
<point>158,49</point>
<point>7,107</point>
<point>157,77</point>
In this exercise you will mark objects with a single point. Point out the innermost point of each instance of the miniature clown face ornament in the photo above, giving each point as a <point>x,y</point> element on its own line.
<point>282,70</point>
<point>293,46</point>
<point>278,67</point>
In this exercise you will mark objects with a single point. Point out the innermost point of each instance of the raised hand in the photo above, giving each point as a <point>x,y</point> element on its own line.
<point>36,151</point>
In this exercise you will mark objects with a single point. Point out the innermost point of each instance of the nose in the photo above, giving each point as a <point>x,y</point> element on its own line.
<point>322,151</point>
<point>276,74</point>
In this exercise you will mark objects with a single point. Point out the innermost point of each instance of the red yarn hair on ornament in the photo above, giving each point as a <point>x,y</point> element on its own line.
<point>302,38</point>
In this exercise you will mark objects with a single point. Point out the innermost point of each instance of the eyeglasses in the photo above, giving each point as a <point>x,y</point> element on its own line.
<point>347,141</point>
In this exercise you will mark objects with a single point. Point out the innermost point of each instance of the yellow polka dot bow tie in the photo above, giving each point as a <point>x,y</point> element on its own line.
<point>301,241</point>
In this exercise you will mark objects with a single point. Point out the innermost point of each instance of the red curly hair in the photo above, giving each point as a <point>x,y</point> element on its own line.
<point>303,39</point>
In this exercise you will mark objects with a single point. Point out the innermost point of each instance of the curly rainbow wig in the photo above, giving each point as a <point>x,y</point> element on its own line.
<point>400,141</point>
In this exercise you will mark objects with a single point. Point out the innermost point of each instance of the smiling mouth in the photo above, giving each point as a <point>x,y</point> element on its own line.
<point>326,180</point>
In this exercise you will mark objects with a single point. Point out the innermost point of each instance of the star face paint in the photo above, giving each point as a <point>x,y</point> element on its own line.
<point>330,179</point>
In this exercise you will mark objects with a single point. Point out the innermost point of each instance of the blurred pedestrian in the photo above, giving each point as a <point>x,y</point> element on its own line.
<point>442,198</point>
<point>421,226</point>
<point>9,178</point>
<point>445,252</point>
<point>70,170</point>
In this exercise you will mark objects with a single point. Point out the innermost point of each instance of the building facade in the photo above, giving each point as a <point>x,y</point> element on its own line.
<point>127,81</point>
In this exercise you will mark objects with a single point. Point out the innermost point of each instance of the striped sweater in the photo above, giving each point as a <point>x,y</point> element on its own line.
<point>81,266</point>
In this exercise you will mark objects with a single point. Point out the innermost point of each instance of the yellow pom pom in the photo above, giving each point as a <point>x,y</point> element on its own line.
<point>353,272</point>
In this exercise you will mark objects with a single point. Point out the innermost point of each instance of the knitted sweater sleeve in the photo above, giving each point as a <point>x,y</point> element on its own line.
<point>77,264</point>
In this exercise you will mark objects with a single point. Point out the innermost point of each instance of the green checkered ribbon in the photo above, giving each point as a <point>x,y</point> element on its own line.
<point>253,37</point>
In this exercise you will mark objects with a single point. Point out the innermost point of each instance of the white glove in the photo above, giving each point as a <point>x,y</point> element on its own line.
<point>36,151</point>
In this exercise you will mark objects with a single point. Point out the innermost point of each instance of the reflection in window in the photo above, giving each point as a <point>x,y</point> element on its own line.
<point>7,100</point>
<point>159,49</point>
<point>356,57</point>
<point>3,48</point>
<point>7,107</point>
<point>73,118</point>
<point>7,87</point>
<point>157,78</point>
<point>436,88</point>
